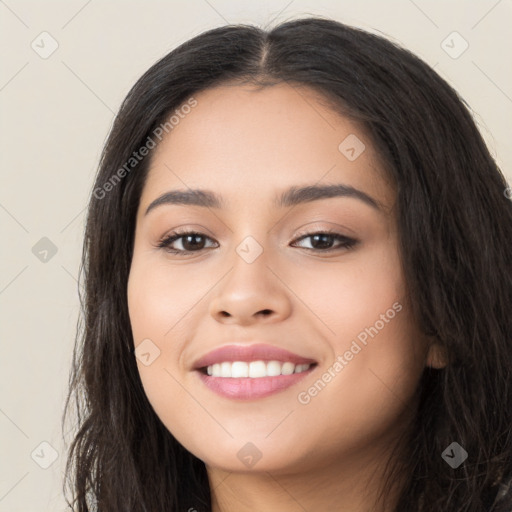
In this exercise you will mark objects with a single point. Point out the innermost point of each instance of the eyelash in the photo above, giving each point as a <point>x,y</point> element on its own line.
<point>345,242</point>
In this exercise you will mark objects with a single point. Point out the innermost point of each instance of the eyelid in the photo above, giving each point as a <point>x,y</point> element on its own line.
<point>318,226</point>
<point>186,229</point>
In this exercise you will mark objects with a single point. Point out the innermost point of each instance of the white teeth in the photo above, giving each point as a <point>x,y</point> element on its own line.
<point>289,368</point>
<point>274,368</point>
<point>254,369</point>
<point>225,370</point>
<point>257,369</point>
<point>238,369</point>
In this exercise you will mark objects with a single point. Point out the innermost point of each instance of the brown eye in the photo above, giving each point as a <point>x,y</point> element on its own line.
<point>189,242</point>
<point>324,241</point>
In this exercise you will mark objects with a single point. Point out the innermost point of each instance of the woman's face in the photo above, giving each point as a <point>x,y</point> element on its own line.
<point>315,272</point>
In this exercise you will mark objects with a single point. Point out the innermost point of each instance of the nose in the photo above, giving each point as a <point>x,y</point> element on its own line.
<point>251,293</point>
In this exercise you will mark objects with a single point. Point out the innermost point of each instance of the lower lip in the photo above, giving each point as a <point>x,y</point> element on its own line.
<point>247,388</point>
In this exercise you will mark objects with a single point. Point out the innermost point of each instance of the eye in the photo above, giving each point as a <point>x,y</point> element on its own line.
<point>190,241</point>
<point>323,241</point>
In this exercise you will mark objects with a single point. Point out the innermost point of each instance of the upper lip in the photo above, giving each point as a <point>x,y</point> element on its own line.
<point>248,353</point>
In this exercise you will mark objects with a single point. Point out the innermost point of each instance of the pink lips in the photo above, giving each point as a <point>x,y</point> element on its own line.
<point>250,353</point>
<point>246,388</point>
<point>249,389</point>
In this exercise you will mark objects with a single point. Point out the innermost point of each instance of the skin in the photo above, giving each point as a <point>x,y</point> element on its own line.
<point>249,144</point>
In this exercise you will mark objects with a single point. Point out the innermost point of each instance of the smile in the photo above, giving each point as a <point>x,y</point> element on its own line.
<point>255,369</point>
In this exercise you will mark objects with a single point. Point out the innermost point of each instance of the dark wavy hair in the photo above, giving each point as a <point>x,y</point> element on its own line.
<point>455,232</point>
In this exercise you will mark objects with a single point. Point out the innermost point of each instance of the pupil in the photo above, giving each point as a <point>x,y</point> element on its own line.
<point>194,243</point>
<point>323,243</point>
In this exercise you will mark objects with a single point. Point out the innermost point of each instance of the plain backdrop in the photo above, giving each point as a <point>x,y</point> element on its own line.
<point>56,111</point>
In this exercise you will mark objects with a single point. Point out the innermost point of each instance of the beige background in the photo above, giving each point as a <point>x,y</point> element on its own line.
<point>56,113</point>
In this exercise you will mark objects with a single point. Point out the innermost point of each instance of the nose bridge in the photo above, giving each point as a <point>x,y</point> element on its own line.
<point>250,272</point>
<point>250,250</point>
<point>250,289</point>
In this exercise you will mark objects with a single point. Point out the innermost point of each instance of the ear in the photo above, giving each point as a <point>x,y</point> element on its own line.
<point>436,356</point>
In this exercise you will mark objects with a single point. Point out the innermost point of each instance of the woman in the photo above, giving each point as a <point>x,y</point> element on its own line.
<point>297,286</point>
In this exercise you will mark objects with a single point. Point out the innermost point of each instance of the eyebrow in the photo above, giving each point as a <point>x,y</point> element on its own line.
<point>290,197</point>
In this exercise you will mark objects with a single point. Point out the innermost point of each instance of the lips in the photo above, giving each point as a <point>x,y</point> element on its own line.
<point>256,352</point>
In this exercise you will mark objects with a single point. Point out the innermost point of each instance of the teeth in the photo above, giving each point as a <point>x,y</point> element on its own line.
<point>255,369</point>
<point>225,370</point>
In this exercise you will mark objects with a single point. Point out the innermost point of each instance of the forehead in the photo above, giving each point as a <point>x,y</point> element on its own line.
<point>241,139</point>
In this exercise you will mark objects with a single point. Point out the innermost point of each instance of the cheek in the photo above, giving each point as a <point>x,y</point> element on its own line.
<point>155,306</point>
<point>375,358</point>
<point>158,302</point>
<point>350,295</point>
<point>373,382</point>
<point>364,392</point>
<point>160,296</point>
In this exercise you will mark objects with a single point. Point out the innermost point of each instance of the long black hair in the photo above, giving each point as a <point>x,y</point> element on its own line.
<point>455,228</point>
